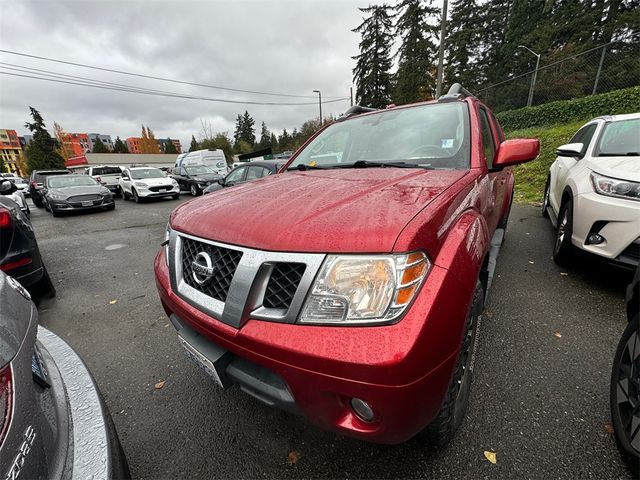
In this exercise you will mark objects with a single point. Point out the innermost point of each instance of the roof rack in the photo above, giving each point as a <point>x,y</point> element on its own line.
<point>355,110</point>
<point>456,92</point>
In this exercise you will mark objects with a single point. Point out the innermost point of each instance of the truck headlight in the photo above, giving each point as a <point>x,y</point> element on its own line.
<point>361,289</point>
<point>614,187</point>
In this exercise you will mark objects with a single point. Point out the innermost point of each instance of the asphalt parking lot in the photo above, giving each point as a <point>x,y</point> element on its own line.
<point>539,398</point>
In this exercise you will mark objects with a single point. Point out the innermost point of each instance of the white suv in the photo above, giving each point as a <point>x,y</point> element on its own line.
<point>147,182</point>
<point>592,193</point>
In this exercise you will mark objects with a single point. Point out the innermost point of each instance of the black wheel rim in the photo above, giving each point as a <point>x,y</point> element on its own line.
<point>562,229</point>
<point>193,190</point>
<point>628,391</point>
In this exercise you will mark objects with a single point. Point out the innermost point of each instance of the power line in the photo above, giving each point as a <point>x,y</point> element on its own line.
<point>51,78</point>
<point>164,79</point>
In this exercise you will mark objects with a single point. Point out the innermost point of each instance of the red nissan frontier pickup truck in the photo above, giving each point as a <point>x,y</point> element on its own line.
<point>349,287</point>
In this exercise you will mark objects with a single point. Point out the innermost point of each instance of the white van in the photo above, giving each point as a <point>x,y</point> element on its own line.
<point>213,159</point>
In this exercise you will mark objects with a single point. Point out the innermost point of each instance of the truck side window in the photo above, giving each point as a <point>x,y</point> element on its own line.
<point>487,139</point>
<point>584,136</point>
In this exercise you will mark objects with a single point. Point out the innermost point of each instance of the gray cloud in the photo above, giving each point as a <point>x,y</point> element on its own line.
<point>275,46</point>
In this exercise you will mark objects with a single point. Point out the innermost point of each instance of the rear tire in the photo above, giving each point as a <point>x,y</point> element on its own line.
<point>563,249</point>
<point>37,202</point>
<point>44,287</point>
<point>626,371</point>
<point>452,413</point>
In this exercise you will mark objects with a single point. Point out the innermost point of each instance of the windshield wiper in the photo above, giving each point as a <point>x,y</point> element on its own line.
<point>367,163</point>
<point>302,167</point>
<point>626,154</point>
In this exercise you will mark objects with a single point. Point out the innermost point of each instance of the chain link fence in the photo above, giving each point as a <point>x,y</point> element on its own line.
<point>601,69</point>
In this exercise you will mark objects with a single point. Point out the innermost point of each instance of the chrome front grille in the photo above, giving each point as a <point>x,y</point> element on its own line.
<point>84,198</point>
<point>241,283</point>
<point>225,261</point>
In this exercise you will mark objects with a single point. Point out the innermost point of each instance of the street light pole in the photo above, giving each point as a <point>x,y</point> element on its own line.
<point>443,33</point>
<point>319,103</point>
<point>535,74</point>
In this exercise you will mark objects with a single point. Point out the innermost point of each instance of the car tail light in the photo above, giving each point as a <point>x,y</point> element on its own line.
<point>98,179</point>
<point>6,400</point>
<point>5,267</point>
<point>5,218</point>
<point>34,184</point>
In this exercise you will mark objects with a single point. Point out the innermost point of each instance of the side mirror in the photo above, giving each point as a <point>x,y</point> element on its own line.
<point>5,187</point>
<point>221,181</point>
<point>516,151</point>
<point>570,150</point>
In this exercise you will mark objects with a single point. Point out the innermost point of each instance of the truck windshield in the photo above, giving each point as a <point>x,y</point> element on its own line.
<point>620,139</point>
<point>427,136</point>
<point>107,171</point>
<point>139,173</point>
<point>198,170</point>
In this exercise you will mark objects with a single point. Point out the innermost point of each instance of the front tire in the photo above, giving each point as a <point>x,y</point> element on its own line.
<point>545,198</point>
<point>136,197</point>
<point>563,248</point>
<point>195,190</point>
<point>37,201</point>
<point>125,195</point>
<point>442,429</point>
<point>625,395</point>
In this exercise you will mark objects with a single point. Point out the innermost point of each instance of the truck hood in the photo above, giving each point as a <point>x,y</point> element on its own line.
<point>340,210</point>
<point>624,168</point>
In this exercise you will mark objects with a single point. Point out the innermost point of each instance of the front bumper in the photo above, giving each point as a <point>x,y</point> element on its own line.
<point>621,226</point>
<point>146,192</point>
<point>64,206</point>
<point>402,370</point>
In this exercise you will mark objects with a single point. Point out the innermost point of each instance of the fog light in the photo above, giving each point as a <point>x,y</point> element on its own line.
<point>595,239</point>
<point>363,409</point>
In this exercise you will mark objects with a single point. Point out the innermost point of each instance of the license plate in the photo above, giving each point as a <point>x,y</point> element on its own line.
<point>201,361</point>
<point>87,203</point>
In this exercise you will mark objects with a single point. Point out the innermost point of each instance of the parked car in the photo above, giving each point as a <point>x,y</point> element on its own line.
<point>19,252</point>
<point>70,193</point>
<point>10,190</point>
<point>625,381</point>
<point>351,290</point>
<point>22,184</point>
<point>194,178</point>
<point>246,173</point>
<point>36,181</point>
<point>212,158</point>
<point>107,175</point>
<point>54,423</point>
<point>147,182</point>
<point>592,195</point>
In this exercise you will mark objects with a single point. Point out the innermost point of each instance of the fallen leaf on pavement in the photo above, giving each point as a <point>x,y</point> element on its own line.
<point>293,457</point>
<point>491,456</point>
<point>564,274</point>
<point>557,334</point>
<point>608,427</point>
<point>113,302</point>
<point>159,385</point>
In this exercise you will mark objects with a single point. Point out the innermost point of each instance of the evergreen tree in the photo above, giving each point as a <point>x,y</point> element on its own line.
<point>372,71</point>
<point>464,45</point>
<point>274,143</point>
<point>265,137</point>
<point>248,130</point>
<point>284,141</point>
<point>169,147</point>
<point>415,78</point>
<point>99,147</point>
<point>194,145</point>
<point>42,151</point>
<point>119,146</point>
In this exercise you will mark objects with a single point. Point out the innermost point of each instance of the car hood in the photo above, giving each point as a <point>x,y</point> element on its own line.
<point>154,182</point>
<point>207,177</point>
<point>624,168</point>
<point>73,191</point>
<point>340,210</point>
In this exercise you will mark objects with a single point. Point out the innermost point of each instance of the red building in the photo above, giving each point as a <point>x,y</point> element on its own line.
<point>76,144</point>
<point>133,144</point>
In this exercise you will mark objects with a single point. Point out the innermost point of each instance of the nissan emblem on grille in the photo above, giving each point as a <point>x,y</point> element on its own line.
<point>202,268</point>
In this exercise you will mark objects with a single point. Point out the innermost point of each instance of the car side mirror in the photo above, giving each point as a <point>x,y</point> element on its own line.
<point>516,151</point>
<point>570,150</point>
<point>221,181</point>
<point>5,187</point>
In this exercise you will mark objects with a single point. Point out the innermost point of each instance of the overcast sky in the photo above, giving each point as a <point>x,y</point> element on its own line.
<point>290,47</point>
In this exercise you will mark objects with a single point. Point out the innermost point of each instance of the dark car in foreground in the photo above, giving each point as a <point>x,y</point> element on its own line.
<point>625,381</point>
<point>19,252</point>
<point>36,183</point>
<point>53,422</point>
<point>246,173</point>
<point>68,193</point>
<point>194,178</point>
<point>351,289</point>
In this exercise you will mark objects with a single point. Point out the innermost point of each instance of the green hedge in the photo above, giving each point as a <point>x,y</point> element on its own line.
<point>626,100</point>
